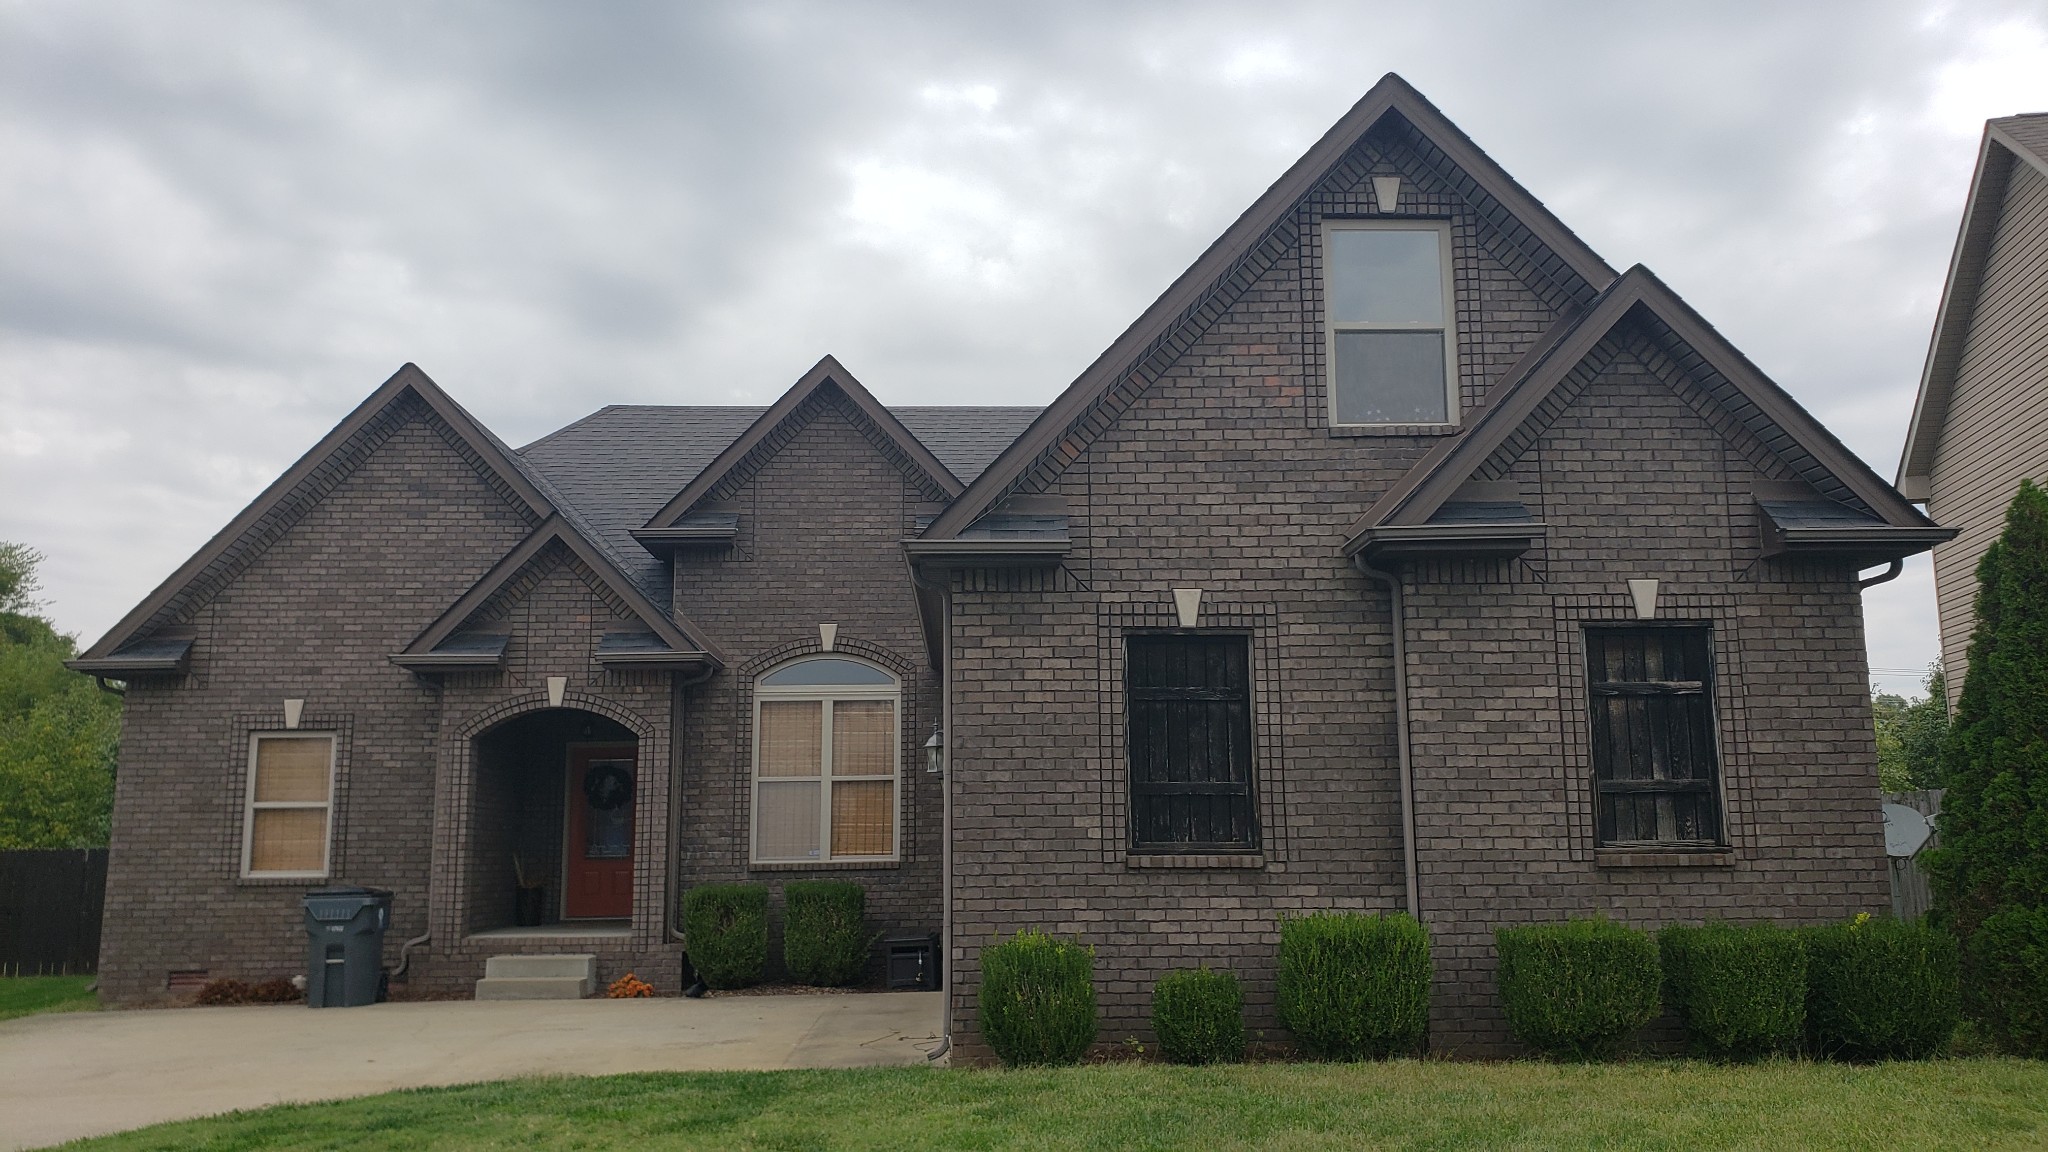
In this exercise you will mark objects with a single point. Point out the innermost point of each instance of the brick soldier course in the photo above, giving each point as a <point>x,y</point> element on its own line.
<point>1412,725</point>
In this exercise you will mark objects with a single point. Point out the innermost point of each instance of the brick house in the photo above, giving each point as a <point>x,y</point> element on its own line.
<point>1402,555</point>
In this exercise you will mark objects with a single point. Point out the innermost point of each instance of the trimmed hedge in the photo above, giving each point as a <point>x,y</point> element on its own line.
<point>726,929</point>
<point>1038,999</point>
<point>1741,991</point>
<point>2009,977</point>
<point>1353,986</point>
<point>1881,989</point>
<point>1199,1016</point>
<point>1575,990</point>
<point>824,932</point>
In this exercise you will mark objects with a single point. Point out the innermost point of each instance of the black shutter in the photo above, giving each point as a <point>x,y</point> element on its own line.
<point>1654,765</point>
<point>1190,737</point>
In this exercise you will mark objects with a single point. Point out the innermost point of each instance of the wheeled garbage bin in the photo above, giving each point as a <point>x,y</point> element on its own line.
<point>345,945</point>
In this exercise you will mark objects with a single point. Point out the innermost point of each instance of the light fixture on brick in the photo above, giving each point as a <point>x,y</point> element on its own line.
<point>293,709</point>
<point>828,635</point>
<point>1187,603</point>
<point>1644,593</point>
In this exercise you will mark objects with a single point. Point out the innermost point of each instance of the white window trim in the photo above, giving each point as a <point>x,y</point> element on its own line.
<point>825,695</point>
<point>1450,326</point>
<point>250,806</point>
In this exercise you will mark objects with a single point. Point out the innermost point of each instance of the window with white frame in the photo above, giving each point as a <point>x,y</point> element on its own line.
<point>288,811</point>
<point>1387,299</point>
<point>827,734</point>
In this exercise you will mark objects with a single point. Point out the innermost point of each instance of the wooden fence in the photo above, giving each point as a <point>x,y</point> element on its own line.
<point>50,911</point>
<point>1910,894</point>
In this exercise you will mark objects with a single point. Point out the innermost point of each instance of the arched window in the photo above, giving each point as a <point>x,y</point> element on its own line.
<point>827,738</point>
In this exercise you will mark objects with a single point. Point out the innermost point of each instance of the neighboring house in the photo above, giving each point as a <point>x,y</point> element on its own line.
<point>1403,555</point>
<point>1980,425</point>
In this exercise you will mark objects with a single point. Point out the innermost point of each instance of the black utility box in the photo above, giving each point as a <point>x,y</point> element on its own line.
<point>913,961</point>
<point>345,945</point>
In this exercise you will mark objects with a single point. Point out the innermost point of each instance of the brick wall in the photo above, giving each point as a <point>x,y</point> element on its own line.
<point>1218,472</point>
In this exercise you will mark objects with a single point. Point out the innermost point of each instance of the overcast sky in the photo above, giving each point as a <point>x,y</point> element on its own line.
<point>222,225</point>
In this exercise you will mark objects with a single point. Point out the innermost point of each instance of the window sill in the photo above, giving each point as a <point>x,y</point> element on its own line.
<point>1238,860</point>
<point>825,866</point>
<point>1663,857</point>
<point>1343,430</point>
<point>284,881</point>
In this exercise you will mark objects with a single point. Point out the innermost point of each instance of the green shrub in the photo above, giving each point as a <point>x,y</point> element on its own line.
<point>1741,991</point>
<point>726,927</point>
<point>1881,989</point>
<point>1038,999</point>
<point>1353,986</point>
<point>825,937</point>
<point>2009,977</point>
<point>1199,1016</point>
<point>1575,990</point>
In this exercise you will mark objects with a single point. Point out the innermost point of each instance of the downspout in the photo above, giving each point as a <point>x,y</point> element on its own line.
<point>679,727</point>
<point>945,957</point>
<point>1891,573</point>
<point>1399,621</point>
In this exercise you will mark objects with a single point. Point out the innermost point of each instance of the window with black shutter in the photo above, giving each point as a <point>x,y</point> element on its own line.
<point>1190,737</point>
<point>1653,736</point>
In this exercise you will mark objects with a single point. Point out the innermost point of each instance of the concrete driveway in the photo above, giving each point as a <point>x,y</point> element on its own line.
<point>85,1073</point>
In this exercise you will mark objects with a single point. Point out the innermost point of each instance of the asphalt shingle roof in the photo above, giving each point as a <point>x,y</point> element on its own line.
<point>616,467</point>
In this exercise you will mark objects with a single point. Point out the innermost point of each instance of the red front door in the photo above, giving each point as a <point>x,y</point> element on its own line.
<point>598,878</point>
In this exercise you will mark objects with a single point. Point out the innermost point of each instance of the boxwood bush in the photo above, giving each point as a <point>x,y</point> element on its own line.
<point>1353,986</point>
<point>1574,991</point>
<point>1038,999</point>
<point>1881,989</point>
<point>1741,991</point>
<point>726,929</point>
<point>2009,977</point>
<point>1199,1016</point>
<point>825,938</point>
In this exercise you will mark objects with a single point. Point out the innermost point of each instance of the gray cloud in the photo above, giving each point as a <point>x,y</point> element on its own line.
<point>221,225</point>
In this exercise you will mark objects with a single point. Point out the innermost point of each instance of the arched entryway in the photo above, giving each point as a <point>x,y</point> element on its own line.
<point>551,822</point>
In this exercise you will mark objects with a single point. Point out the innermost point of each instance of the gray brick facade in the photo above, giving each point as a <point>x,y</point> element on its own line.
<point>1197,454</point>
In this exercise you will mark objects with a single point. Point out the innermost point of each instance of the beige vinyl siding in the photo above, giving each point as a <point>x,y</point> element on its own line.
<point>1996,433</point>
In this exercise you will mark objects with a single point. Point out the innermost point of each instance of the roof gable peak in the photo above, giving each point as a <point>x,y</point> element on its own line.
<point>1393,97</point>
<point>826,374</point>
<point>408,381</point>
<point>1638,293</point>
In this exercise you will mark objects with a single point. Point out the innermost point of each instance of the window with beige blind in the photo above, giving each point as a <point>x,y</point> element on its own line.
<point>288,816</point>
<point>826,737</point>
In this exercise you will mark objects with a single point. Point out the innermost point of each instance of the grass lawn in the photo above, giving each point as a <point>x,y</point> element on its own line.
<point>28,995</point>
<point>1784,1107</point>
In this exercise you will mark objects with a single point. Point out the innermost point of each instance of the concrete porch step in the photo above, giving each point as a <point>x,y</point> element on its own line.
<point>571,976</point>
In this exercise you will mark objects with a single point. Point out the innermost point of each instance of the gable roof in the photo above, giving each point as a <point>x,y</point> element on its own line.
<point>1420,497</point>
<point>245,531</point>
<point>1391,97</point>
<point>2008,141</point>
<point>826,373</point>
<point>442,644</point>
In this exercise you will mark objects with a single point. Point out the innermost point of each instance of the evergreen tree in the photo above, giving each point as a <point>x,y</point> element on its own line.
<point>1991,873</point>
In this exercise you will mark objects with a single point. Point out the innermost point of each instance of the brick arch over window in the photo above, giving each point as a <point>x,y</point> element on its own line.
<point>904,670</point>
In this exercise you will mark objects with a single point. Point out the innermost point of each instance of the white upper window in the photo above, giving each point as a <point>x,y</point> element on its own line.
<point>1391,348</point>
<point>827,735</point>
<point>288,811</point>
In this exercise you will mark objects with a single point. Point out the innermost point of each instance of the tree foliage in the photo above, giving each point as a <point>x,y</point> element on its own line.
<point>1993,857</point>
<point>59,733</point>
<point>1910,735</point>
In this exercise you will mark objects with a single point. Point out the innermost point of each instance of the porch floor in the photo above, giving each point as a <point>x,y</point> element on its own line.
<point>564,930</point>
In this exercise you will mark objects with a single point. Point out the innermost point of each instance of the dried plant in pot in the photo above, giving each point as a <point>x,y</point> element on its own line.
<point>530,898</point>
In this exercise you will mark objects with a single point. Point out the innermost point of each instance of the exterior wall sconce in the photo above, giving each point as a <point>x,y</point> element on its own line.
<point>935,752</point>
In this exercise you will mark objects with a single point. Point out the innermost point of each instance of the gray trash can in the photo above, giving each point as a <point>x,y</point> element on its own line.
<point>345,945</point>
